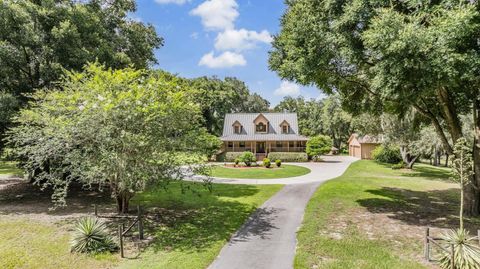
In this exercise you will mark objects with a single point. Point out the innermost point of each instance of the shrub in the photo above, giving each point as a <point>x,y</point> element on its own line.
<point>288,156</point>
<point>231,156</point>
<point>237,161</point>
<point>467,254</point>
<point>267,163</point>
<point>319,145</point>
<point>399,165</point>
<point>248,158</point>
<point>278,162</point>
<point>317,159</point>
<point>387,154</point>
<point>91,237</point>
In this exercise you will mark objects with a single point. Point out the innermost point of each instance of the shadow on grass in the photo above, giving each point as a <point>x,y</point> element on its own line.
<point>429,172</point>
<point>201,221</point>
<point>436,208</point>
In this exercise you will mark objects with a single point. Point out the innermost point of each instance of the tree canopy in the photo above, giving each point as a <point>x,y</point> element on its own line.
<point>384,56</point>
<point>125,129</point>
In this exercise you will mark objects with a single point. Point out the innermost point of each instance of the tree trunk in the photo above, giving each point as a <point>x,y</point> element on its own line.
<point>446,160</point>
<point>451,115</point>
<point>472,193</point>
<point>408,159</point>
<point>438,127</point>
<point>123,201</point>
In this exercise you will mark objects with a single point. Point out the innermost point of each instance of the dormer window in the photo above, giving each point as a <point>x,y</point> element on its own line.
<point>261,128</point>
<point>237,129</point>
<point>285,127</point>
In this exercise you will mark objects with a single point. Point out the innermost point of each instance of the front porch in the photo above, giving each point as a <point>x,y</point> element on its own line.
<point>265,147</point>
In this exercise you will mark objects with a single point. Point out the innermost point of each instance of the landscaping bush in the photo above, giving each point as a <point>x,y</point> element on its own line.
<point>231,156</point>
<point>91,236</point>
<point>387,154</point>
<point>399,165</point>
<point>248,158</point>
<point>267,163</point>
<point>278,163</point>
<point>317,159</point>
<point>319,145</point>
<point>288,156</point>
<point>237,161</point>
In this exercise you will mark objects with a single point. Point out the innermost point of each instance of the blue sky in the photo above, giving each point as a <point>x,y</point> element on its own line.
<point>222,38</point>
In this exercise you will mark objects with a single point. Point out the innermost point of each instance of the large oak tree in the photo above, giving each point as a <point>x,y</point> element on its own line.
<point>390,56</point>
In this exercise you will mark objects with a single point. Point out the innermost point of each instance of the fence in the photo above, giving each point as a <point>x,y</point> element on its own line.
<point>435,241</point>
<point>122,232</point>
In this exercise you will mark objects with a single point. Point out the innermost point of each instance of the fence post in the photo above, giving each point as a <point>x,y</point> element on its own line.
<point>120,235</point>
<point>427,244</point>
<point>140,222</point>
<point>96,210</point>
<point>452,258</point>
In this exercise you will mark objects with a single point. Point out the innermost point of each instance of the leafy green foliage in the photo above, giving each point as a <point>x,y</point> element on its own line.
<point>9,105</point>
<point>267,163</point>
<point>399,165</point>
<point>288,156</point>
<point>466,251</point>
<point>318,145</point>
<point>248,158</point>
<point>278,162</point>
<point>236,161</point>
<point>126,129</point>
<point>91,236</point>
<point>232,156</point>
<point>387,154</point>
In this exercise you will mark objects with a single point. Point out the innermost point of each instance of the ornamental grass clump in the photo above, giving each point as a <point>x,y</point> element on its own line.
<point>91,236</point>
<point>466,253</point>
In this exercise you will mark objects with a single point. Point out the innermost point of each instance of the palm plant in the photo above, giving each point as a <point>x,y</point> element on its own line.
<point>91,236</point>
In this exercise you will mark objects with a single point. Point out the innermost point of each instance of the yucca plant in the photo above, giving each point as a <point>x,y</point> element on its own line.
<point>466,252</point>
<point>91,236</point>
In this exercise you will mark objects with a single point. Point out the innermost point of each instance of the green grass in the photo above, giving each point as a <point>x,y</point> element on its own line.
<point>189,230</point>
<point>259,172</point>
<point>374,217</point>
<point>9,168</point>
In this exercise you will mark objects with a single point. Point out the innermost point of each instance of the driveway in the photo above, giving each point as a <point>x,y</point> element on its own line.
<point>268,239</point>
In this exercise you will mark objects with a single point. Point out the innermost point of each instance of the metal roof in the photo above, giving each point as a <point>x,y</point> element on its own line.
<point>274,128</point>
<point>366,139</point>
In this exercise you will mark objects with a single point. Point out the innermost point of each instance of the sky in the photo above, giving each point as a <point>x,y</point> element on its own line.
<point>221,38</point>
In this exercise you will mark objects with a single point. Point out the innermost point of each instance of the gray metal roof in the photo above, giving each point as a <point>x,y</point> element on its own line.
<point>274,129</point>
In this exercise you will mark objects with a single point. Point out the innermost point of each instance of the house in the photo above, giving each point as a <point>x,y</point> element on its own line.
<point>262,133</point>
<point>362,146</point>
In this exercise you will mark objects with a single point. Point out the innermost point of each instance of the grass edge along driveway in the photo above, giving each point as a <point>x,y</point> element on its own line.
<point>374,217</point>
<point>285,171</point>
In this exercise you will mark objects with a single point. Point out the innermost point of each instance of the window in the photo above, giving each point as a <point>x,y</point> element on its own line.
<point>279,144</point>
<point>230,144</point>
<point>285,129</point>
<point>261,127</point>
<point>291,144</point>
<point>238,129</point>
<point>242,144</point>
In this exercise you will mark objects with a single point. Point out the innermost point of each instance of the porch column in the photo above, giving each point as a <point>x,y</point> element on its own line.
<point>288,146</point>
<point>254,147</point>
<point>233,144</point>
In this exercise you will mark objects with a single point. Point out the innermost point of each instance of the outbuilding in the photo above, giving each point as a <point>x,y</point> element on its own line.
<point>362,146</point>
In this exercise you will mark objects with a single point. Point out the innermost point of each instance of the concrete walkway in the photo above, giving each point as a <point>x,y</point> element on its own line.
<point>268,239</point>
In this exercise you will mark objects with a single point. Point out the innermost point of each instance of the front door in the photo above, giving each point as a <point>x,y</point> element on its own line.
<point>261,147</point>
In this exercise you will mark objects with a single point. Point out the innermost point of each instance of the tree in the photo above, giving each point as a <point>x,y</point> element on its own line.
<point>218,97</point>
<point>337,123</point>
<point>384,56</point>
<point>318,145</point>
<point>8,107</point>
<point>309,113</point>
<point>123,129</point>
<point>38,39</point>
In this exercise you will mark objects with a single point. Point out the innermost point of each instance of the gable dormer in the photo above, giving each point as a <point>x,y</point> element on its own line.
<point>261,124</point>
<point>285,127</point>
<point>237,127</point>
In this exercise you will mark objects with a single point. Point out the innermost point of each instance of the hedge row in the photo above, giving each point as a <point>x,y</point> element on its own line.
<point>289,156</point>
<point>231,156</point>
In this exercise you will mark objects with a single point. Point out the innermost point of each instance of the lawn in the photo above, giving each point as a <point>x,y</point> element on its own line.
<point>9,168</point>
<point>259,172</point>
<point>189,229</point>
<point>374,217</point>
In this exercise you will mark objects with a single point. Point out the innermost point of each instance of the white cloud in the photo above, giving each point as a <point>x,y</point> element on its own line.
<point>287,88</point>
<point>194,35</point>
<point>226,59</point>
<point>241,39</point>
<point>217,14</point>
<point>178,2</point>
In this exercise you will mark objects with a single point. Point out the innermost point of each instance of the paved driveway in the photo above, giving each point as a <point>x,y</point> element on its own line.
<point>268,239</point>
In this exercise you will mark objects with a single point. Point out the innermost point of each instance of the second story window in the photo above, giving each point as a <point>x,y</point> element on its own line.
<point>237,129</point>
<point>285,129</point>
<point>261,128</point>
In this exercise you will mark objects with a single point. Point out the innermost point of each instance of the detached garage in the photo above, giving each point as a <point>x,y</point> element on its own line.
<point>362,146</point>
